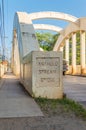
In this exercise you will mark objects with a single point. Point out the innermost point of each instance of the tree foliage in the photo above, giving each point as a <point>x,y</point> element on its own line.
<point>47,40</point>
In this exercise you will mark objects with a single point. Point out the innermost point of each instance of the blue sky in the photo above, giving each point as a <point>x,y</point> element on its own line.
<point>73,7</point>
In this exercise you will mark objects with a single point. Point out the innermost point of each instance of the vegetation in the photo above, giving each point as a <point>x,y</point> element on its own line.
<point>53,107</point>
<point>78,48</point>
<point>48,40</point>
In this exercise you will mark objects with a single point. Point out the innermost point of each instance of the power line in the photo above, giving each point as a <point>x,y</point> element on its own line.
<point>3,13</point>
<point>2,27</point>
<point>3,16</point>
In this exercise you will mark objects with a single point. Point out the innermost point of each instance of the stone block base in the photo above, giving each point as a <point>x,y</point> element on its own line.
<point>42,74</point>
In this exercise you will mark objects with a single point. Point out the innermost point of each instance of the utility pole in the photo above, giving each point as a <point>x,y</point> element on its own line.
<point>3,32</point>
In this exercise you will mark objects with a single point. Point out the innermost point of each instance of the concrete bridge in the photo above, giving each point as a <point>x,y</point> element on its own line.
<point>25,41</point>
<point>25,49</point>
<point>63,41</point>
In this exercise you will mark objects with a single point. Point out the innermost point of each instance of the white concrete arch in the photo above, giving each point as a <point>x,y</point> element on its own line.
<point>71,28</point>
<point>25,32</point>
<point>24,39</point>
<point>80,25</point>
<point>47,27</point>
<point>52,15</point>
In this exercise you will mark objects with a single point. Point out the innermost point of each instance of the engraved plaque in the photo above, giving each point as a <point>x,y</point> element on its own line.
<point>47,71</point>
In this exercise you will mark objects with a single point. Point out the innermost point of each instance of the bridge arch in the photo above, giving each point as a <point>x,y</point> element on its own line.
<point>71,28</point>
<point>47,27</point>
<point>25,31</point>
<point>63,40</point>
<point>24,39</point>
<point>53,15</point>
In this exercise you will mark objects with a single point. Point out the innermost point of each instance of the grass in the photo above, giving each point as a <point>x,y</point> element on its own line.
<point>66,106</point>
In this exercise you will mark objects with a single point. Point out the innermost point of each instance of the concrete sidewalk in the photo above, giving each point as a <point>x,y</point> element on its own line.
<point>15,101</point>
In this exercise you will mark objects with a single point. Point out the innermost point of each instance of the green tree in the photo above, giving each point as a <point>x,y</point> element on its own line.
<point>47,40</point>
<point>78,48</point>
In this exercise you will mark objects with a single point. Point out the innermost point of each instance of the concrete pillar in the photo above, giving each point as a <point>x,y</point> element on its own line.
<point>67,50</point>
<point>82,52</point>
<point>16,55</point>
<point>12,58</point>
<point>61,48</point>
<point>73,53</point>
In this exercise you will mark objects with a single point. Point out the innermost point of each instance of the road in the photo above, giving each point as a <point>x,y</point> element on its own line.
<point>75,88</point>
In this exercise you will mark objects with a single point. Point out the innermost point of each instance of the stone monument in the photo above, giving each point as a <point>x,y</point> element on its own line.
<point>43,74</point>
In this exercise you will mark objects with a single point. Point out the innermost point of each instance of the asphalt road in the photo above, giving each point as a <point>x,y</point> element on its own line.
<point>75,88</point>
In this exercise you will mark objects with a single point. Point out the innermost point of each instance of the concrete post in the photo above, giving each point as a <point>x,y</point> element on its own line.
<point>73,53</point>
<point>61,48</point>
<point>16,55</point>
<point>67,50</point>
<point>82,52</point>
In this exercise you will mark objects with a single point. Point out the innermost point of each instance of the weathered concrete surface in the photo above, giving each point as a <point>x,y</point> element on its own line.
<point>47,27</point>
<point>15,101</point>
<point>75,88</point>
<point>53,15</point>
<point>70,32</point>
<point>42,74</point>
<point>3,69</point>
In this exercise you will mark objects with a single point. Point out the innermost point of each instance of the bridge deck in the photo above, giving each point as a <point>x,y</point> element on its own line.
<point>75,88</point>
<point>15,101</point>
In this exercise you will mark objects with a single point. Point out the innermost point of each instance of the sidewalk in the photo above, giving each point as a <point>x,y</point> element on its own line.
<point>14,100</point>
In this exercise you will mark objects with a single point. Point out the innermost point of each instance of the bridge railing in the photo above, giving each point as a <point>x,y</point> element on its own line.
<point>78,70</point>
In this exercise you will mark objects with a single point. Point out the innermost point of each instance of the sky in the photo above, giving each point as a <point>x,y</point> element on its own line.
<point>73,7</point>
